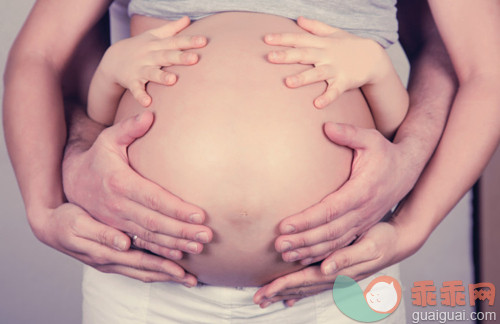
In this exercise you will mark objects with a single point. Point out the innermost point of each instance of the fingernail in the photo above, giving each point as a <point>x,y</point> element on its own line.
<point>192,246</point>
<point>202,237</point>
<point>319,103</point>
<point>293,256</point>
<point>188,285</point>
<point>138,117</point>
<point>171,78</point>
<point>269,37</point>
<point>285,246</point>
<point>289,229</point>
<point>195,218</point>
<point>119,244</point>
<point>174,254</point>
<point>265,304</point>
<point>330,268</point>
<point>199,40</point>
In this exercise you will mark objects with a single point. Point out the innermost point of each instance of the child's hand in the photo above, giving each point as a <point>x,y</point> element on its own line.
<point>343,60</point>
<point>135,61</point>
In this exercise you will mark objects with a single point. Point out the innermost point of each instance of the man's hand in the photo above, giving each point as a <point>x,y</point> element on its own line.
<point>381,246</point>
<point>69,229</point>
<point>381,176</point>
<point>100,180</point>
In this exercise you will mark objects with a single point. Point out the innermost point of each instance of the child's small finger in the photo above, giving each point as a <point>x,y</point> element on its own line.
<point>183,42</point>
<point>317,74</point>
<point>329,96</point>
<point>292,39</point>
<point>305,55</point>
<point>171,28</point>
<point>169,57</point>
<point>157,75</point>
<point>316,27</point>
<point>141,96</point>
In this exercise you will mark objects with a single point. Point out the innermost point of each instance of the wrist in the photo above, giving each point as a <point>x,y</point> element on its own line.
<point>412,231</point>
<point>38,216</point>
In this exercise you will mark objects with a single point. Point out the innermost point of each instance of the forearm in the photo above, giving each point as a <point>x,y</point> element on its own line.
<point>432,87</point>
<point>35,129</point>
<point>468,142</point>
<point>104,97</point>
<point>388,110</point>
<point>473,129</point>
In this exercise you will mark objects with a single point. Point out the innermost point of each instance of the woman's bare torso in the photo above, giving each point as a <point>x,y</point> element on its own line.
<point>230,137</point>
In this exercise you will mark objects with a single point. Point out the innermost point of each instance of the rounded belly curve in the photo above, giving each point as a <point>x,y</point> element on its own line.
<point>231,138</point>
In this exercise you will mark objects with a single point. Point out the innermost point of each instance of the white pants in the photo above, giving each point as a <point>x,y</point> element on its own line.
<point>111,298</point>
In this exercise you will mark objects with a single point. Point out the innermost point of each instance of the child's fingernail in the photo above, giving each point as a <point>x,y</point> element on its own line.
<point>265,304</point>
<point>292,81</point>
<point>199,40</point>
<point>270,37</point>
<point>319,102</point>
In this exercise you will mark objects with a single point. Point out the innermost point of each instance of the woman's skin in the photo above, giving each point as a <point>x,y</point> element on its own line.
<point>39,63</point>
<point>233,139</point>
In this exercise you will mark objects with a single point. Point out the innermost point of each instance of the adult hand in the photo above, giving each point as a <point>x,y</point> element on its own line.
<point>101,181</point>
<point>381,246</point>
<point>69,229</point>
<point>381,176</point>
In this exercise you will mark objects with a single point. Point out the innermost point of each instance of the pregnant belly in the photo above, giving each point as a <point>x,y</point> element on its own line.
<point>231,138</point>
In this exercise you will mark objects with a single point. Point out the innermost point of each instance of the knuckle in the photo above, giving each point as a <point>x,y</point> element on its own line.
<point>301,242</point>
<point>151,223</point>
<point>184,232</point>
<point>332,232</point>
<point>179,245</point>
<point>114,206</point>
<point>152,201</point>
<point>329,211</point>
<point>148,236</point>
<point>179,214</point>
<point>344,261</point>
<point>102,237</point>
<point>321,72</point>
<point>138,243</point>
<point>371,247</point>
<point>115,183</point>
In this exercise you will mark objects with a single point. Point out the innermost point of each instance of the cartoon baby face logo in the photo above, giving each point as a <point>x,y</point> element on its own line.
<point>383,294</point>
<point>380,298</point>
